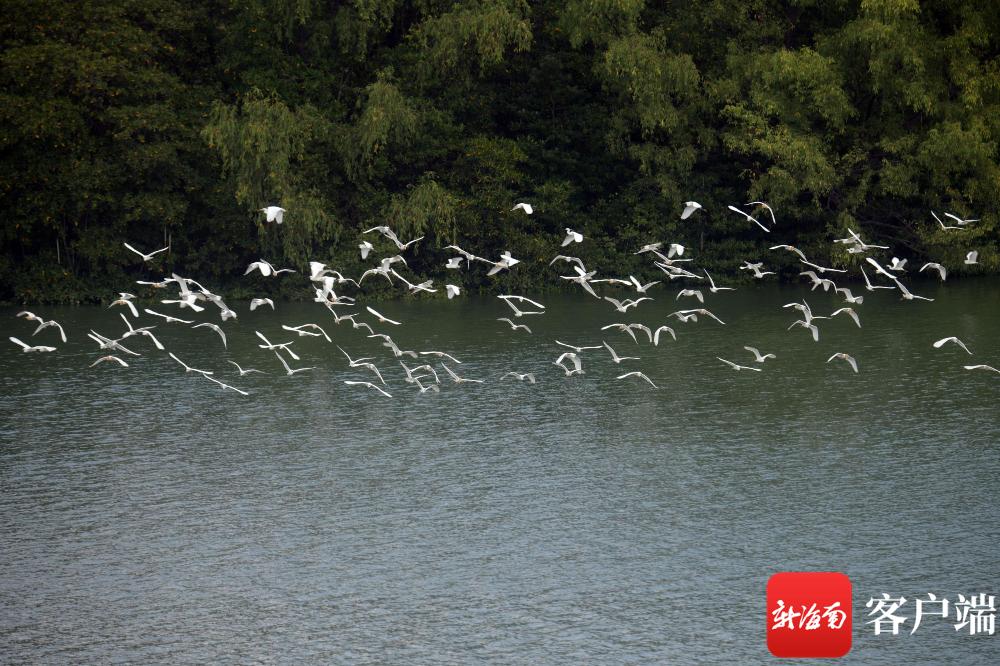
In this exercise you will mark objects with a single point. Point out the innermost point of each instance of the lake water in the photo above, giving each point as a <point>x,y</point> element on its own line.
<point>148,516</point>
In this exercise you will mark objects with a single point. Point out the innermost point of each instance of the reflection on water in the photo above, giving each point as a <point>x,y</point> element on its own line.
<point>146,515</point>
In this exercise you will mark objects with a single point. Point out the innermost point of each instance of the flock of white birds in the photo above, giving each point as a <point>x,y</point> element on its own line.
<point>668,258</point>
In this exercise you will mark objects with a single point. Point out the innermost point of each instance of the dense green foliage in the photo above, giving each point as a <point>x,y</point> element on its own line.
<point>159,120</point>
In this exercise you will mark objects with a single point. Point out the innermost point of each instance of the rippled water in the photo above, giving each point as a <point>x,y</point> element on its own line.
<point>148,516</point>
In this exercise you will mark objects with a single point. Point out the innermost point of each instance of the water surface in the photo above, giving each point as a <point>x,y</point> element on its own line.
<point>148,516</point>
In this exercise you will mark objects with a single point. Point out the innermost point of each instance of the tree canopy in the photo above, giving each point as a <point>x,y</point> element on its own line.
<point>161,121</point>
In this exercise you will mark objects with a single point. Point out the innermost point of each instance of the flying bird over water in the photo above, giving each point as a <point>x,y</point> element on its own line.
<point>737,366</point>
<point>574,359</point>
<point>188,368</point>
<point>526,376</point>
<point>47,324</point>
<point>368,384</point>
<point>225,386</point>
<point>105,359</point>
<point>757,356</point>
<point>168,318</point>
<point>246,372</point>
<point>656,335</point>
<point>943,341</point>
<point>845,357</point>
<point>26,348</point>
<point>941,270</point>
<point>637,375</point>
<point>380,317</point>
<point>257,302</point>
<point>981,367</point>
<point>289,371</point>
<point>514,326</point>
<point>217,329</point>
<point>460,380</point>
<point>576,349</point>
<point>618,359</point>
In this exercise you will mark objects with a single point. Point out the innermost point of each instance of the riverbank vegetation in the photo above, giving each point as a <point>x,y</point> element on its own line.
<point>166,122</point>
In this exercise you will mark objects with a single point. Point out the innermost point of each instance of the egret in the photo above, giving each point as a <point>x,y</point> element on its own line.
<point>737,366</point>
<point>572,237</point>
<point>26,348</point>
<point>146,257</point>
<point>689,208</point>
<point>846,357</point>
<point>274,213</point>
<point>637,375</point>
<point>757,356</point>
<point>104,359</point>
<point>943,341</point>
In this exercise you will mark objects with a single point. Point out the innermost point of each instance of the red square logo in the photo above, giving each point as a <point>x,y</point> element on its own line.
<point>809,614</point>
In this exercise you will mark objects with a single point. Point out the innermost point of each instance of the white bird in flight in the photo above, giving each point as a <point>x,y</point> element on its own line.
<point>846,357</point>
<point>578,350</point>
<point>981,367</point>
<point>637,375</point>
<point>26,348</point>
<point>526,207</point>
<point>225,386</point>
<point>46,324</point>
<point>146,257</point>
<point>300,330</point>
<point>656,335</point>
<point>275,347</point>
<point>689,208</point>
<point>616,358</point>
<point>758,357</point>
<point>289,371</point>
<point>749,217</point>
<point>452,291</point>
<point>188,368</point>
<point>168,318</point>
<point>737,366</point>
<point>572,237</point>
<point>217,329</point>
<point>575,359</point>
<point>274,213</point>
<point>109,358</point>
<point>971,258</point>
<point>460,380</point>
<point>959,221</point>
<point>257,302</point>
<point>850,313</point>
<point>943,341</point>
<point>712,288</point>
<point>944,227</point>
<point>514,326</point>
<point>696,293</point>
<point>368,384</point>
<point>941,270</point>
<point>247,371</point>
<point>525,376</point>
<point>380,317</point>
<point>127,302</point>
